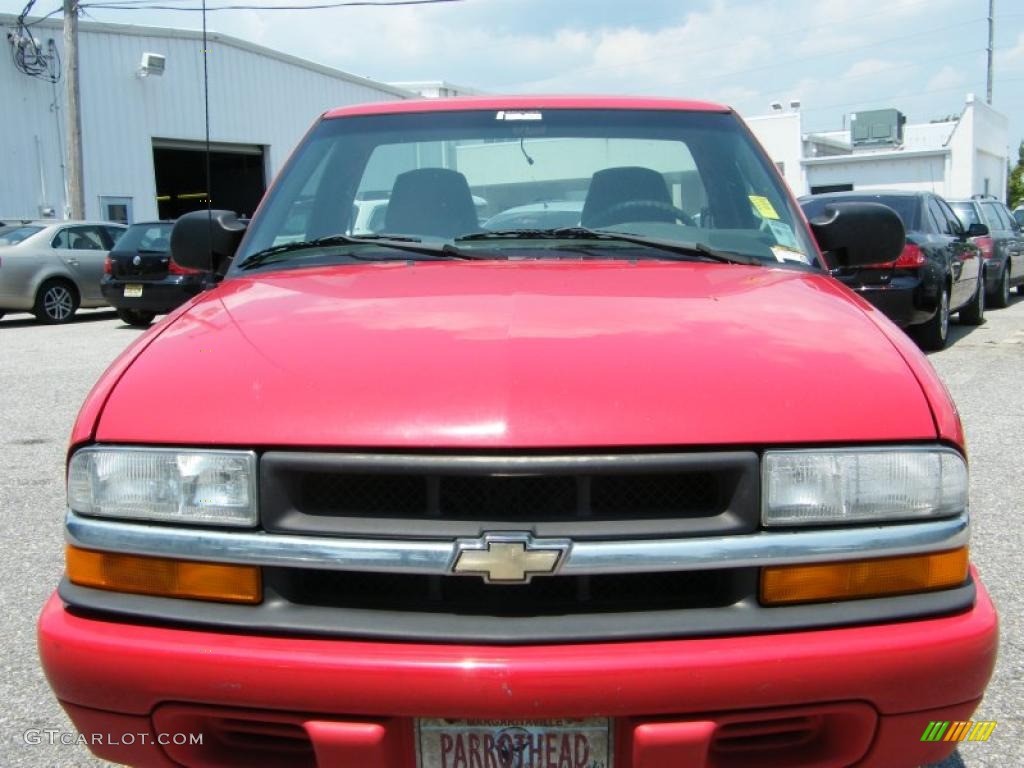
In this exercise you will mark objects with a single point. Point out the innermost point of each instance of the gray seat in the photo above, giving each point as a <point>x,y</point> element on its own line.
<point>83,243</point>
<point>612,189</point>
<point>431,201</point>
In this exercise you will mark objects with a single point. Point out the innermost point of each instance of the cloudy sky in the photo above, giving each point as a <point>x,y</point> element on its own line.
<point>837,56</point>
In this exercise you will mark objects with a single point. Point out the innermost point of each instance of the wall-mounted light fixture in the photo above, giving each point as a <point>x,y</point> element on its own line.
<point>152,64</point>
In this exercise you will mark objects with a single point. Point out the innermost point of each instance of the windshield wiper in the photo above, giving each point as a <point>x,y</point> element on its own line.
<point>698,250</point>
<point>397,243</point>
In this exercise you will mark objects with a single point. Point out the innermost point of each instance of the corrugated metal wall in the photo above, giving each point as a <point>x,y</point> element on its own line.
<point>255,98</point>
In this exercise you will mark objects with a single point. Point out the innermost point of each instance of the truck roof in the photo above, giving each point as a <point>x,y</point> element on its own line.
<point>467,103</point>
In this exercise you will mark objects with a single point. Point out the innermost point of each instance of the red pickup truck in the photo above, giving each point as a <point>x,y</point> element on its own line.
<point>644,489</point>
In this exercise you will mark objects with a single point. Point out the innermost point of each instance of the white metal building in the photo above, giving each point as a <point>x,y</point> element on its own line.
<point>437,89</point>
<point>955,158</point>
<point>142,136</point>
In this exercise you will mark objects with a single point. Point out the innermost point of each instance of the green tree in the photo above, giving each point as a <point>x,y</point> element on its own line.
<point>1015,182</point>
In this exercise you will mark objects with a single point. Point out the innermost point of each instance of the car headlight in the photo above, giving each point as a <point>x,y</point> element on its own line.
<point>206,487</point>
<point>862,485</point>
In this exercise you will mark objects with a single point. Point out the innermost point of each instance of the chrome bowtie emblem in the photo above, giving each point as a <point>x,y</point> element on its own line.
<point>137,260</point>
<point>508,558</point>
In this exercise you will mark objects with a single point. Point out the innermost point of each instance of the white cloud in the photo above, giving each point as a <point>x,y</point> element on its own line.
<point>836,56</point>
<point>947,77</point>
<point>867,67</point>
<point>1012,58</point>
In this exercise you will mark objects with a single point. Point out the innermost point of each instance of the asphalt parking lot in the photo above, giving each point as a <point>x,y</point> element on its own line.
<point>46,371</point>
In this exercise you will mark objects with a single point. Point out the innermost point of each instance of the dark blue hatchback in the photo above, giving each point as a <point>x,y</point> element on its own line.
<point>141,280</point>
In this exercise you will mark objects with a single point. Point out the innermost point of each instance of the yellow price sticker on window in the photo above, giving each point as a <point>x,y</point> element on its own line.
<point>764,207</point>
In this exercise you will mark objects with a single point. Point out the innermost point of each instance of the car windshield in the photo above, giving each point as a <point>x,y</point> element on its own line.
<point>907,207</point>
<point>154,238</point>
<point>14,235</point>
<point>503,184</point>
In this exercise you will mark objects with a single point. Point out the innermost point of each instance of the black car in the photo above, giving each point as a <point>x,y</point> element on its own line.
<point>141,280</point>
<point>1002,249</point>
<point>938,273</point>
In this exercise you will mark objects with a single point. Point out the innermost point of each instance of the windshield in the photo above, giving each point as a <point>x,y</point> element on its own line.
<point>155,238</point>
<point>14,235</point>
<point>695,178</point>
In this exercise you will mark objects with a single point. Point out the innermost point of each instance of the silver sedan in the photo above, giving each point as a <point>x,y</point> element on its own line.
<point>51,268</point>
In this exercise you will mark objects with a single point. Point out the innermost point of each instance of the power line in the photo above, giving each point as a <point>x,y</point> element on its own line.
<point>144,5</point>
<point>51,14</point>
<point>703,76</point>
<point>914,95</point>
<point>715,48</point>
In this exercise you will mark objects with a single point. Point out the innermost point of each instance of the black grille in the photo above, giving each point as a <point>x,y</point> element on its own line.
<point>508,498</point>
<point>544,497</point>
<point>656,495</point>
<point>544,596</point>
<point>577,496</point>
<point>382,495</point>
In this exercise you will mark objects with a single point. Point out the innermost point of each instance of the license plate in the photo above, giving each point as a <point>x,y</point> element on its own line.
<point>132,291</point>
<point>513,743</point>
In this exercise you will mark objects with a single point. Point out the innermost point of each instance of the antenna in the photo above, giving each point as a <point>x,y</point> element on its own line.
<point>206,114</point>
<point>522,148</point>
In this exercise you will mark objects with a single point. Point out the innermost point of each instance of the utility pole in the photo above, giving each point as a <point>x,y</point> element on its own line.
<point>991,38</point>
<point>76,184</point>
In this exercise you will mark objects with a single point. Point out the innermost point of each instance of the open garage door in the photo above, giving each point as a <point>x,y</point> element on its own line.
<point>236,174</point>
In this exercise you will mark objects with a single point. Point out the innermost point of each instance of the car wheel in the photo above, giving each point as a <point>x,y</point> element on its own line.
<point>1002,295</point>
<point>974,313</point>
<point>136,317</point>
<point>932,335</point>
<point>56,301</point>
<point>1020,289</point>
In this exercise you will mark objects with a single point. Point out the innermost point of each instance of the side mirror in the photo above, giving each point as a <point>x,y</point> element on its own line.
<point>206,240</point>
<point>976,230</point>
<point>859,234</point>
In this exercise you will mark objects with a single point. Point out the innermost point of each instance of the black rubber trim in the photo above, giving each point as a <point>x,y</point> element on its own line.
<point>739,513</point>
<point>276,616</point>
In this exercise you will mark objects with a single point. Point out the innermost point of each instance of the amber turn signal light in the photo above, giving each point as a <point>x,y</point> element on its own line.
<point>163,577</point>
<point>863,578</point>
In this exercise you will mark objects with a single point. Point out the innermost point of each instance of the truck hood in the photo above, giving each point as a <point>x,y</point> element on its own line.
<point>520,355</point>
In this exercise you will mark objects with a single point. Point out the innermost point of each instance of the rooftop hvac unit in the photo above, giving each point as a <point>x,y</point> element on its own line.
<point>877,127</point>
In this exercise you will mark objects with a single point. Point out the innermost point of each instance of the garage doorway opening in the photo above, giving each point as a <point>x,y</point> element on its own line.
<point>237,177</point>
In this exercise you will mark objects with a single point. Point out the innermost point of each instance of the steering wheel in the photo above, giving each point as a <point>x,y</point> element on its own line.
<point>653,205</point>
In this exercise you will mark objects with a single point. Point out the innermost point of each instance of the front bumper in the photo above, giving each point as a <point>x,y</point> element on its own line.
<point>158,296</point>
<point>351,702</point>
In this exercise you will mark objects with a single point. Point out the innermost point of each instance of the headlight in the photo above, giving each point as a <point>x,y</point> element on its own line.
<point>862,485</point>
<point>165,484</point>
